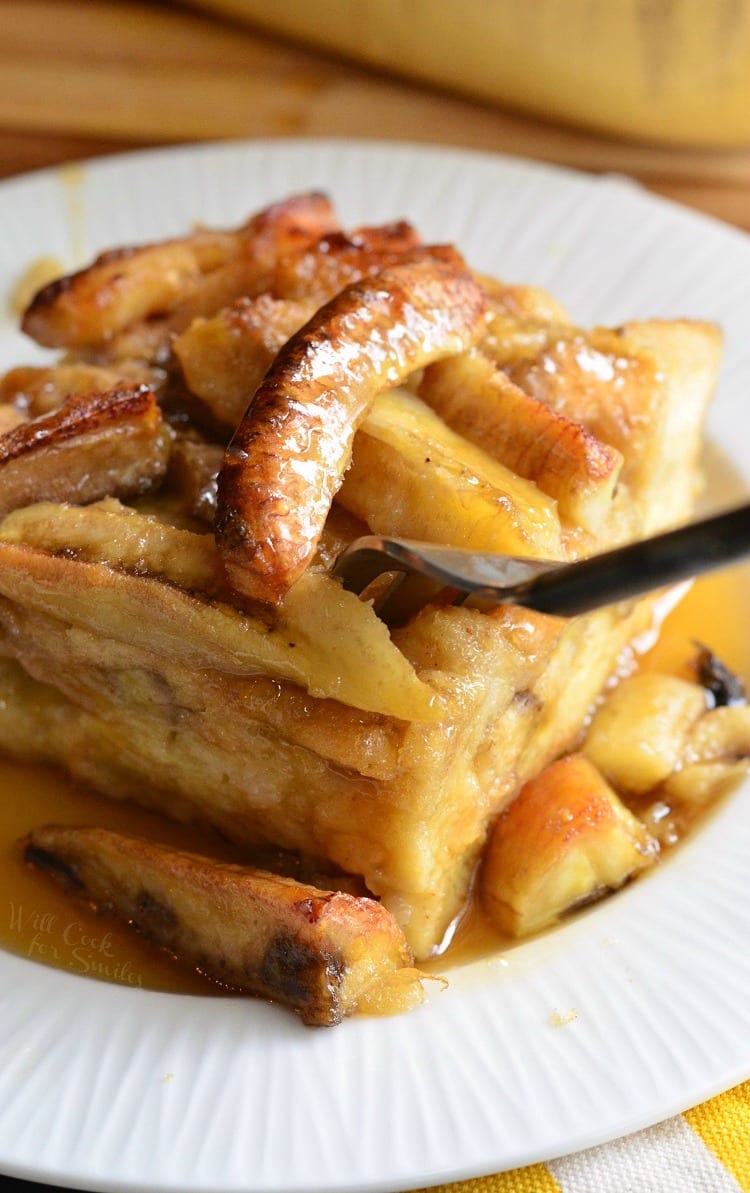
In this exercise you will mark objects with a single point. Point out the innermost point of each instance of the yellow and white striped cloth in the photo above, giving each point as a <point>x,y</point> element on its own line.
<point>704,1150</point>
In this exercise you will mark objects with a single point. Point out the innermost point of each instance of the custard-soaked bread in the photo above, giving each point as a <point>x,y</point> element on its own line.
<point>292,715</point>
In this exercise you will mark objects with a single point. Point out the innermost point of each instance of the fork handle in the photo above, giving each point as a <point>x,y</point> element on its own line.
<point>640,567</point>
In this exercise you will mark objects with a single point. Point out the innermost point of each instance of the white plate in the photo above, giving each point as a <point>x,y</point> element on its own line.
<point>105,1087</point>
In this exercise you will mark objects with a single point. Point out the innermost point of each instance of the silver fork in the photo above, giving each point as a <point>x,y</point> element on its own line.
<point>402,575</point>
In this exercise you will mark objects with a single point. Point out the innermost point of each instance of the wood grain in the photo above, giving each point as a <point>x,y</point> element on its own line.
<point>82,79</point>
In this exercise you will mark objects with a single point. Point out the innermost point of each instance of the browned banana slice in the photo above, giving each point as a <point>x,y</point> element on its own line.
<point>290,452</point>
<point>564,459</point>
<point>84,309</point>
<point>103,444</point>
<point>284,268</point>
<point>88,308</point>
<point>335,261</point>
<point>224,358</point>
<point>322,953</point>
<point>565,840</point>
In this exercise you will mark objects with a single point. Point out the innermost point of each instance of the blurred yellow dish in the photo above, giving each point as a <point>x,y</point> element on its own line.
<point>662,70</point>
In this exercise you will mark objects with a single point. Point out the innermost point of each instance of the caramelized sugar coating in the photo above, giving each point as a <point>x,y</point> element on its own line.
<point>564,841</point>
<point>103,443</point>
<point>174,278</point>
<point>318,952</point>
<point>289,454</point>
<point>10,417</point>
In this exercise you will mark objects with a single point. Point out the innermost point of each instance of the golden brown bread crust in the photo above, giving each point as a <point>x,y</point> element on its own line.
<point>317,951</point>
<point>289,454</point>
<point>112,443</point>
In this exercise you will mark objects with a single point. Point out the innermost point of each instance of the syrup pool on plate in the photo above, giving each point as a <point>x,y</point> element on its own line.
<point>42,923</point>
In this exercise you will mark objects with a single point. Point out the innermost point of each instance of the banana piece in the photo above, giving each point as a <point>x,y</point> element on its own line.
<point>637,736</point>
<point>716,751</point>
<point>564,841</point>
<point>322,953</point>
<point>565,460</point>
<point>413,475</point>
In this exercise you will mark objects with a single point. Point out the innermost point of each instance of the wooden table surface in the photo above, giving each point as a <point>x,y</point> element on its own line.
<point>85,77</point>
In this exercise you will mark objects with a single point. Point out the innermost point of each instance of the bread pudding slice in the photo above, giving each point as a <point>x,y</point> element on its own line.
<point>261,698</point>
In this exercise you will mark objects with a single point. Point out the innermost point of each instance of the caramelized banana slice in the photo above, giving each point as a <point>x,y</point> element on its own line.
<point>642,388</point>
<point>413,475</point>
<point>323,269</point>
<point>290,452</point>
<point>322,953</point>
<point>664,734</point>
<point>84,309</point>
<point>637,736</point>
<point>564,459</point>
<point>225,358</point>
<point>87,309</point>
<point>103,444</point>
<point>109,532</point>
<point>565,840</point>
<point>322,638</point>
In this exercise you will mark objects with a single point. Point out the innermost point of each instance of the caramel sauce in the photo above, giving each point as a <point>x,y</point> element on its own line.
<point>41,922</point>
<point>712,613</point>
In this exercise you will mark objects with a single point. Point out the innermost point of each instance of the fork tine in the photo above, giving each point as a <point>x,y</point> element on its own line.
<point>357,568</point>
<point>401,601</point>
<point>406,586</point>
